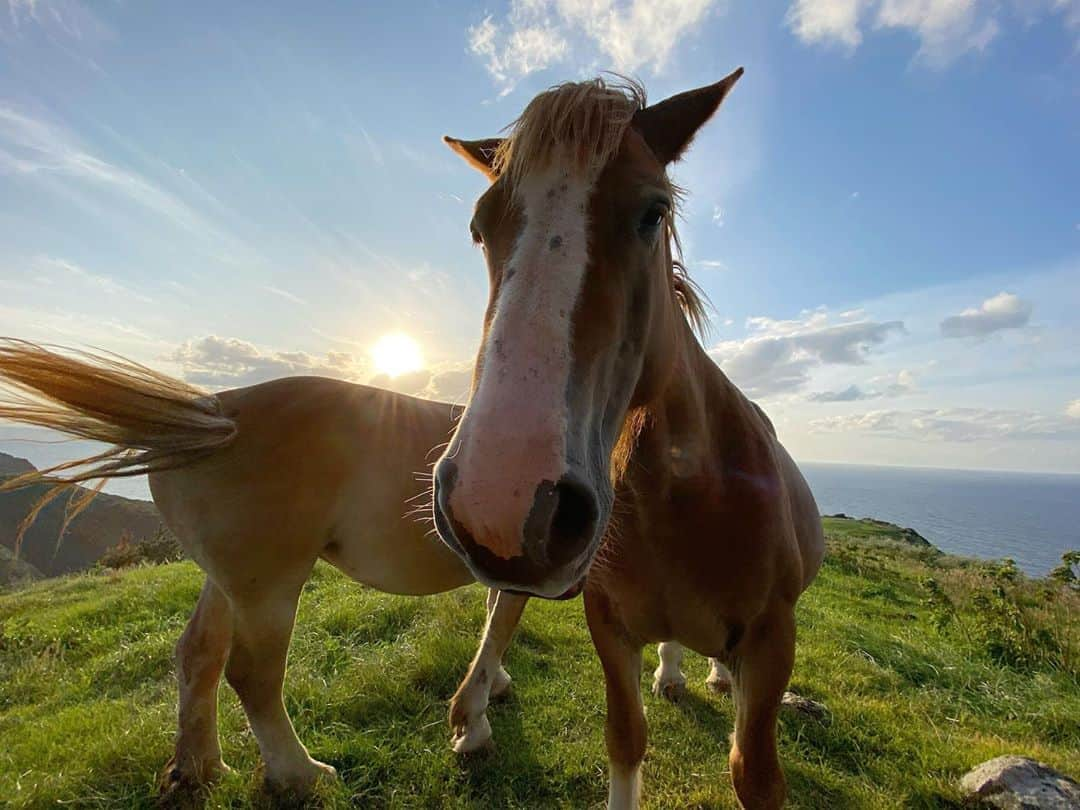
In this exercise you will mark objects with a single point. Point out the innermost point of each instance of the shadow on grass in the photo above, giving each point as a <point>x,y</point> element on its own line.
<point>706,713</point>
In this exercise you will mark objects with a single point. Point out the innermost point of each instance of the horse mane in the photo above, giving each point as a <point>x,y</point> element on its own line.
<point>587,120</point>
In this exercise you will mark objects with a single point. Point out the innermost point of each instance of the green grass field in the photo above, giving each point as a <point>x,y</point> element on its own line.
<point>922,682</point>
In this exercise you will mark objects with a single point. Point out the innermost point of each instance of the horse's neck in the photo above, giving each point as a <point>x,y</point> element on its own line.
<point>680,437</point>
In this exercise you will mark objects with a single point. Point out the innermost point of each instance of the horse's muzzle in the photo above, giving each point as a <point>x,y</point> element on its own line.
<point>556,538</point>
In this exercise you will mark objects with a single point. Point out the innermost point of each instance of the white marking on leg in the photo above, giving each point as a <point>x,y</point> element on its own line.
<point>520,399</point>
<point>668,679</point>
<point>719,679</point>
<point>468,709</point>
<point>624,789</point>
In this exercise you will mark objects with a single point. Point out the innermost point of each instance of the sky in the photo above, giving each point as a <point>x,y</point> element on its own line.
<point>885,214</point>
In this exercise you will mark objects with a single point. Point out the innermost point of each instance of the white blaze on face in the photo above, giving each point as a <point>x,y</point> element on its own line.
<point>513,435</point>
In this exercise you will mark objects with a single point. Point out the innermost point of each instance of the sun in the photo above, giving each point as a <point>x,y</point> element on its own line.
<point>396,353</point>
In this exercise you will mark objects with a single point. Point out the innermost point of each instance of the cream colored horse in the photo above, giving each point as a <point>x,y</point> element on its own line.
<point>258,483</point>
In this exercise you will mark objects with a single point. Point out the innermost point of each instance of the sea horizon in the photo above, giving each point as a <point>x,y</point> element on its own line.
<point>1031,517</point>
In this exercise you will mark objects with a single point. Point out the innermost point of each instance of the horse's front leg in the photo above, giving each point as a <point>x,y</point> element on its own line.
<point>625,730</point>
<point>762,664</point>
<point>486,677</point>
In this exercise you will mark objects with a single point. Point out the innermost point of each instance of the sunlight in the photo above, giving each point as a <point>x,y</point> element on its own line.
<point>396,353</point>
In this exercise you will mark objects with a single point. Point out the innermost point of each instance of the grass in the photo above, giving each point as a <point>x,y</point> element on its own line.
<point>916,694</point>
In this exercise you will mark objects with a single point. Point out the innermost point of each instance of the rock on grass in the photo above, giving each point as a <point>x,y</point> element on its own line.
<point>1018,783</point>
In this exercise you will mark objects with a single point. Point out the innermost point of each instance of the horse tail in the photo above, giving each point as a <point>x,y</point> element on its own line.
<point>153,422</point>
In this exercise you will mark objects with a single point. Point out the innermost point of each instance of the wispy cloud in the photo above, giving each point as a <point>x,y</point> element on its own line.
<point>1003,311</point>
<point>1072,410</point>
<point>32,147</point>
<point>69,26</point>
<point>288,296</point>
<point>629,36</point>
<point>945,29</point>
<point>102,283</point>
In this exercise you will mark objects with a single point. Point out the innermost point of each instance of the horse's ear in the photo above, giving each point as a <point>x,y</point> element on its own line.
<point>669,125</point>
<point>478,154</point>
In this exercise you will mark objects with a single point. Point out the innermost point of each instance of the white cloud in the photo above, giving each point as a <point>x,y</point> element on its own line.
<point>449,383</point>
<point>219,362</point>
<point>1003,311</point>
<point>952,425</point>
<point>946,29</point>
<point>629,35</point>
<point>779,356</point>
<point>849,394</point>
<point>903,382</point>
<point>223,362</point>
<point>823,21</point>
<point>1072,410</point>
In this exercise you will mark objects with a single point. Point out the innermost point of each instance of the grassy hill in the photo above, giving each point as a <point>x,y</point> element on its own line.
<point>103,524</point>
<point>928,666</point>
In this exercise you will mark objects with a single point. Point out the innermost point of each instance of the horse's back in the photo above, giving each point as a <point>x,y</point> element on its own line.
<point>313,461</point>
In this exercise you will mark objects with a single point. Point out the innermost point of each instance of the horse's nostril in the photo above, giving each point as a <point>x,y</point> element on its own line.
<point>574,519</point>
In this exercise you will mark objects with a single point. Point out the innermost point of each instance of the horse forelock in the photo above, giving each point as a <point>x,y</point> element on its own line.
<point>582,121</point>
<point>585,123</point>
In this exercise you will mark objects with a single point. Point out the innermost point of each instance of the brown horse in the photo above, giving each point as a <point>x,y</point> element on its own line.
<point>601,443</point>
<point>258,483</point>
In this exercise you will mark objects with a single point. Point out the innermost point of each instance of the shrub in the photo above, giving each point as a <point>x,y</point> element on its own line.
<point>1014,621</point>
<point>162,547</point>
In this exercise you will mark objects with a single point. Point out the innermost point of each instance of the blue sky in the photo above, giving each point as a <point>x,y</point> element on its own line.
<point>885,214</point>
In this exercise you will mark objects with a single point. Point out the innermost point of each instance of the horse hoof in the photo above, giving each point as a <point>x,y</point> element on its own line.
<point>175,780</point>
<point>672,691</point>
<point>286,787</point>
<point>718,686</point>
<point>471,737</point>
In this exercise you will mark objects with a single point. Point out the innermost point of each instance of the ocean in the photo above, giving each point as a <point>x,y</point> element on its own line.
<point>1031,517</point>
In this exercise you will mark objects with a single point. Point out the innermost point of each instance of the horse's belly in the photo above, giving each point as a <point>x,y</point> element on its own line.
<point>396,557</point>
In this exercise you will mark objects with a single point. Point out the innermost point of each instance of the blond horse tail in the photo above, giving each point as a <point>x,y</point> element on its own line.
<point>153,422</point>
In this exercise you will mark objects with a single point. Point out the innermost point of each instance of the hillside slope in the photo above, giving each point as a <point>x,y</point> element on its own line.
<point>87,700</point>
<point>14,571</point>
<point>100,526</point>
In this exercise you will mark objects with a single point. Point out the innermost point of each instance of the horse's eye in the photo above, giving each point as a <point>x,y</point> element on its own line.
<point>651,219</point>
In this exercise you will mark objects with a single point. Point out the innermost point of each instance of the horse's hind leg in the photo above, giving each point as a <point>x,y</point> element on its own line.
<point>719,678</point>
<point>486,677</point>
<point>668,679</point>
<point>762,665</point>
<point>262,628</point>
<point>625,730</point>
<point>200,658</point>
